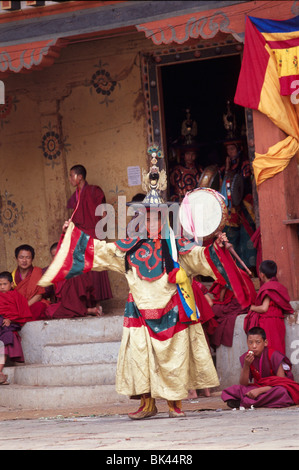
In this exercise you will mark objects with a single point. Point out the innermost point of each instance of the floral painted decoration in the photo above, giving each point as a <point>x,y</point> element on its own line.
<point>103,83</point>
<point>9,214</point>
<point>53,145</point>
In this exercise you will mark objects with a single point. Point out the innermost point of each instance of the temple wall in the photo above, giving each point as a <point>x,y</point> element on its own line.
<point>87,108</point>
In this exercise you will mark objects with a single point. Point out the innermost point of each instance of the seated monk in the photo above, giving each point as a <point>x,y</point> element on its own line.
<point>25,279</point>
<point>266,379</point>
<point>14,313</point>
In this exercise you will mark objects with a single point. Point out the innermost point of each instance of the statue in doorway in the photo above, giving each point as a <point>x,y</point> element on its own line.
<point>189,129</point>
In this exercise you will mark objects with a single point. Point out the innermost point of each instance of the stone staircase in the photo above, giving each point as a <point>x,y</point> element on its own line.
<point>68,363</point>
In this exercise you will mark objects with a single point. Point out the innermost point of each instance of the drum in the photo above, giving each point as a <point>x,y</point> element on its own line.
<point>203,213</point>
<point>210,178</point>
<point>233,183</point>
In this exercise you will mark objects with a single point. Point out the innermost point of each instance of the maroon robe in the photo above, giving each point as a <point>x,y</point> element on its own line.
<point>207,319</point>
<point>84,204</point>
<point>15,307</point>
<point>75,295</point>
<point>28,287</point>
<point>284,391</point>
<point>271,321</point>
<point>225,312</point>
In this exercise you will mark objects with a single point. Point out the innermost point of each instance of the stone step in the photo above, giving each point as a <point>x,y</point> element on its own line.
<point>46,398</point>
<point>85,353</point>
<point>40,334</point>
<point>62,375</point>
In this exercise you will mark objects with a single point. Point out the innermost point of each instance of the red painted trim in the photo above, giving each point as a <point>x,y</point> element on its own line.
<point>207,23</point>
<point>30,56</point>
<point>68,262</point>
<point>89,255</point>
<point>162,335</point>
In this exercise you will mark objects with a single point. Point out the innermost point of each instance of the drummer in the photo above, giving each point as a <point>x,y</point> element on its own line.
<point>234,162</point>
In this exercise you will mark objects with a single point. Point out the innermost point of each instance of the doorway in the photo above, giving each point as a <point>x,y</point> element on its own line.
<point>197,82</point>
<point>201,76</point>
<point>202,89</point>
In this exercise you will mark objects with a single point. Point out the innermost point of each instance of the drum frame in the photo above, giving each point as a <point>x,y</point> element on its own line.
<point>223,208</point>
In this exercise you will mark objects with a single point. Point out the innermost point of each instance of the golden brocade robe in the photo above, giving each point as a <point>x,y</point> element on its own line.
<point>158,353</point>
<point>161,352</point>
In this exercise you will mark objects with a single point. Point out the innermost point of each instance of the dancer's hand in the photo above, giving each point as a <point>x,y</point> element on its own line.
<point>221,238</point>
<point>65,225</point>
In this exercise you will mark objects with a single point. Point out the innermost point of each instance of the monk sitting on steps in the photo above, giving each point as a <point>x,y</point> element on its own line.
<point>25,279</point>
<point>14,312</point>
<point>273,386</point>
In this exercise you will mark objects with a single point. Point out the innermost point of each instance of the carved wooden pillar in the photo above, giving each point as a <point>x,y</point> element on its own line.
<point>279,208</point>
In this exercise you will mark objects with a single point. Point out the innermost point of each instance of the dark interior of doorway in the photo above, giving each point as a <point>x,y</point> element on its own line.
<point>204,86</point>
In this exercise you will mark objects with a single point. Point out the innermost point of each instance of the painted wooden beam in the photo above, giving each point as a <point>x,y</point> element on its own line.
<point>103,18</point>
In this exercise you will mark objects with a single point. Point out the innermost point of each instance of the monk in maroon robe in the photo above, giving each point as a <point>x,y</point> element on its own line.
<point>205,305</point>
<point>77,297</point>
<point>25,279</point>
<point>81,295</point>
<point>14,313</point>
<point>271,306</point>
<point>273,386</point>
<point>226,308</point>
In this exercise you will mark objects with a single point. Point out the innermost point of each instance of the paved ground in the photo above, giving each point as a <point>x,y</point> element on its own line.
<point>209,425</point>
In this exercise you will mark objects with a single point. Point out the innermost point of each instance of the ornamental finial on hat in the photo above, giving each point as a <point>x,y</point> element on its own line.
<point>155,179</point>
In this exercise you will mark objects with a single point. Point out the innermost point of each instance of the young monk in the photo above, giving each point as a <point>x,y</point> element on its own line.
<point>274,385</point>
<point>272,303</point>
<point>25,279</point>
<point>14,312</point>
<point>84,202</point>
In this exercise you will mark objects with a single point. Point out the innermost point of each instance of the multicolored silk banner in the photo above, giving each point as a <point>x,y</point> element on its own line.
<point>269,83</point>
<point>74,257</point>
